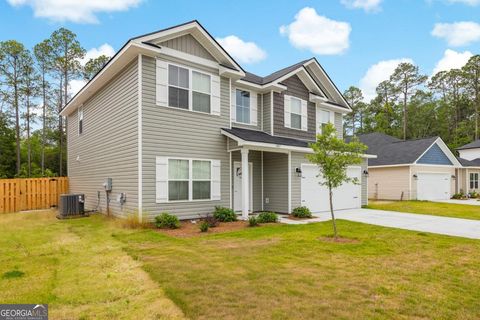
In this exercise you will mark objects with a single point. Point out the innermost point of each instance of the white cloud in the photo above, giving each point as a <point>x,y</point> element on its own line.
<point>452,60</point>
<point>317,33</point>
<point>75,86</point>
<point>104,49</point>
<point>367,5</point>
<point>79,11</point>
<point>245,52</point>
<point>377,73</point>
<point>458,33</point>
<point>467,2</point>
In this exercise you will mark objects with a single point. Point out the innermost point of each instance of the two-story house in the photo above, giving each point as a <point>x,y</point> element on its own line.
<point>178,126</point>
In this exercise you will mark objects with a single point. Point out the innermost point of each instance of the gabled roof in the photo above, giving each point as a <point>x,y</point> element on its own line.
<point>250,77</point>
<point>469,163</point>
<point>393,151</point>
<point>471,145</point>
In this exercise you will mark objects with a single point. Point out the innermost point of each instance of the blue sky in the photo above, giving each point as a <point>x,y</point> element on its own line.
<point>358,42</point>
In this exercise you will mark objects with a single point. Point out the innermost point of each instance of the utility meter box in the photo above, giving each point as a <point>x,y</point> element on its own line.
<point>108,184</point>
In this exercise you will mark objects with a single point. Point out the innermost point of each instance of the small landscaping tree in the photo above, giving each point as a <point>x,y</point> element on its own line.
<point>333,155</point>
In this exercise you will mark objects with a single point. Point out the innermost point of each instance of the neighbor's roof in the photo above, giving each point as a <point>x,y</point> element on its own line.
<point>469,163</point>
<point>393,151</point>
<point>471,145</point>
<point>250,77</point>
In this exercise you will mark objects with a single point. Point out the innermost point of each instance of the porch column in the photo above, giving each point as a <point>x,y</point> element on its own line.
<point>245,184</point>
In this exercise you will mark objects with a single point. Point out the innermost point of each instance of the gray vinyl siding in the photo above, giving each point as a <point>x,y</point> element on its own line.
<point>267,112</point>
<point>108,145</point>
<point>231,144</point>
<point>259,118</point>
<point>173,132</point>
<point>364,182</point>
<point>255,158</point>
<point>296,162</point>
<point>296,88</point>
<point>188,44</point>
<point>339,124</point>
<point>275,181</point>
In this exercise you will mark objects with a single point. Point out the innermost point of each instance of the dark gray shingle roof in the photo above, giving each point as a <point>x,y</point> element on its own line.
<point>391,150</point>
<point>469,163</point>
<point>250,77</point>
<point>259,136</point>
<point>471,145</point>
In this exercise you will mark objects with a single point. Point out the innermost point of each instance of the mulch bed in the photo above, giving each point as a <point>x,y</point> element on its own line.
<point>188,229</point>
<point>298,219</point>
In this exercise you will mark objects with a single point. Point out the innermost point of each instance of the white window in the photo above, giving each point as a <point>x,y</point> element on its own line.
<point>80,120</point>
<point>473,180</point>
<point>200,92</point>
<point>242,106</point>
<point>185,88</point>
<point>295,113</point>
<point>179,179</point>
<point>323,120</point>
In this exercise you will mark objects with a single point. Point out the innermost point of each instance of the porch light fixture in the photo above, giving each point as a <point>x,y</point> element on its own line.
<point>365,173</point>
<point>415,176</point>
<point>454,177</point>
<point>298,171</point>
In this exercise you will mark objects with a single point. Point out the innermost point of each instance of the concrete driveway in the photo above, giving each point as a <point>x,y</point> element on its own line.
<point>471,202</point>
<point>408,221</point>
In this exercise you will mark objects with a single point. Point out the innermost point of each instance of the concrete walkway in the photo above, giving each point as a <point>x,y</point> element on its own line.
<point>408,221</point>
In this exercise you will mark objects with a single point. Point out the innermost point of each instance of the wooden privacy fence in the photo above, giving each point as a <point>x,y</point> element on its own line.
<point>30,194</point>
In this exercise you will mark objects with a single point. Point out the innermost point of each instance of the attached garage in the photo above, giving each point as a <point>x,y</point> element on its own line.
<point>433,186</point>
<point>315,196</point>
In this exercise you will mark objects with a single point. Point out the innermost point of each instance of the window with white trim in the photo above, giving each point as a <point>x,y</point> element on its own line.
<point>295,113</point>
<point>324,119</point>
<point>200,92</point>
<point>473,180</point>
<point>189,179</point>
<point>80,120</point>
<point>242,106</point>
<point>178,87</point>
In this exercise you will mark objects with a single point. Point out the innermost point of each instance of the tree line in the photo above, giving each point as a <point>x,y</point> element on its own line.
<point>34,87</point>
<point>410,105</point>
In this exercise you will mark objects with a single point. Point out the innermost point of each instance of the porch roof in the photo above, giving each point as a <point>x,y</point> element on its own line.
<point>263,137</point>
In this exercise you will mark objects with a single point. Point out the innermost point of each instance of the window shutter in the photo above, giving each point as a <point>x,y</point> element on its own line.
<point>286,109</point>
<point>215,192</point>
<point>253,108</point>
<point>233,105</point>
<point>215,106</point>
<point>161,181</point>
<point>162,83</point>
<point>304,116</point>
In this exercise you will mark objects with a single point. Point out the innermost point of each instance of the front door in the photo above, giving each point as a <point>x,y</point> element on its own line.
<point>237,185</point>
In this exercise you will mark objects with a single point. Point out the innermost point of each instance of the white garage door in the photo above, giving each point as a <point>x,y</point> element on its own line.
<point>315,196</point>
<point>433,186</point>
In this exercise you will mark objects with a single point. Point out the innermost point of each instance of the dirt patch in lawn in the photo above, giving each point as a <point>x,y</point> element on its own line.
<point>189,229</point>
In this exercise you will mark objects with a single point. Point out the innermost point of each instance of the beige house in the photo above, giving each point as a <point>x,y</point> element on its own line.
<point>468,175</point>
<point>423,169</point>
<point>174,124</point>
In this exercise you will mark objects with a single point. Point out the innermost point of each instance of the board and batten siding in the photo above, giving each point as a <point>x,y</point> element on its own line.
<point>188,44</point>
<point>295,88</point>
<point>255,158</point>
<point>107,148</point>
<point>364,182</point>
<point>172,132</point>
<point>275,182</point>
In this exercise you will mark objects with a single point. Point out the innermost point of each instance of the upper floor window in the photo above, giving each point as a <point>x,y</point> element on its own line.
<point>473,180</point>
<point>200,92</point>
<point>80,120</point>
<point>242,106</point>
<point>323,119</point>
<point>178,87</point>
<point>295,113</point>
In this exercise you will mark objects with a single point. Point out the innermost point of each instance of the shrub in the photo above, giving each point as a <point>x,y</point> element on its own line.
<point>473,194</point>
<point>302,212</point>
<point>459,195</point>
<point>211,220</point>
<point>267,217</point>
<point>252,222</point>
<point>167,221</point>
<point>204,226</point>
<point>224,214</point>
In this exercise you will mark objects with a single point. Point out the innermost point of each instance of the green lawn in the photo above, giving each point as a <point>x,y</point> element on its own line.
<point>426,207</point>
<point>92,268</point>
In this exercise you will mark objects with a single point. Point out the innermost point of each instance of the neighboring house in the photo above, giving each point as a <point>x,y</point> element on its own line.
<point>423,169</point>
<point>180,127</point>
<point>469,157</point>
